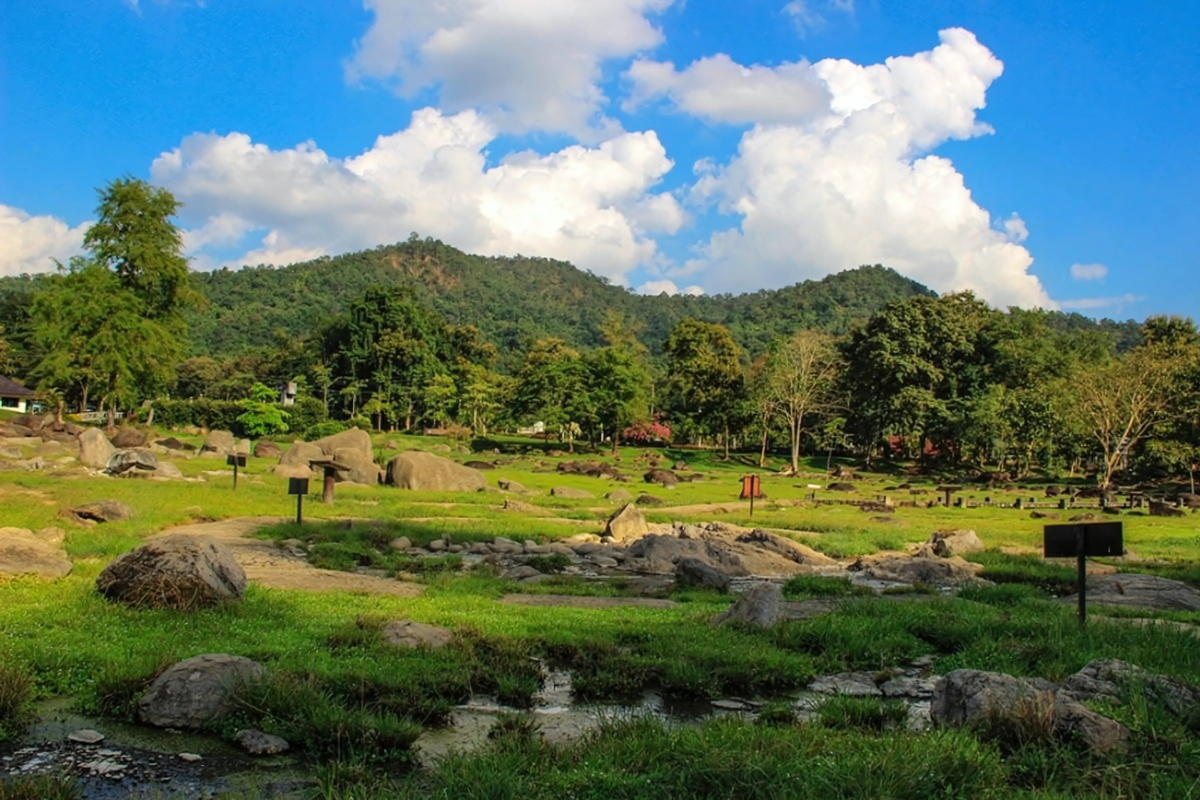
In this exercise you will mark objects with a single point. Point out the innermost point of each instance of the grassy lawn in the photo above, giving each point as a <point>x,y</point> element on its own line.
<point>351,703</point>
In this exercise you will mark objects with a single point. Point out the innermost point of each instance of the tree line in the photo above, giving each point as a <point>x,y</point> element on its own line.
<point>945,380</point>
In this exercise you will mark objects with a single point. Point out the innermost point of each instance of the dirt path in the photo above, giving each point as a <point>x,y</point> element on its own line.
<point>267,565</point>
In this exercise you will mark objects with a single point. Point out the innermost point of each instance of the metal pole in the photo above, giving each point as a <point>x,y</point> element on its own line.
<point>299,509</point>
<point>752,501</point>
<point>235,465</point>
<point>1081,550</point>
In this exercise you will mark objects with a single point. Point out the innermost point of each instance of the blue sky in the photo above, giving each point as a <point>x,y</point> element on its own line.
<point>723,145</point>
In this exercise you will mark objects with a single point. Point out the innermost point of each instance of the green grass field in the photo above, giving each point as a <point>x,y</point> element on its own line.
<point>353,705</point>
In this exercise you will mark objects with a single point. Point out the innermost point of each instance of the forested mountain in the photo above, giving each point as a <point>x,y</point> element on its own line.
<point>517,299</point>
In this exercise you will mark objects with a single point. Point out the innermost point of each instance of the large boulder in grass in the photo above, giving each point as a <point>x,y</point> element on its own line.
<point>22,552</point>
<point>409,635</point>
<point>700,574</point>
<point>947,544</point>
<point>425,472</point>
<point>267,449</point>
<point>352,439</point>
<point>220,442</point>
<point>127,438</point>
<point>95,449</point>
<point>761,606</point>
<point>896,568</point>
<point>1141,591</point>
<point>301,454</point>
<point>363,468</point>
<point>1110,680</point>
<point>101,511</point>
<point>1032,706</point>
<point>663,477</point>
<point>124,461</point>
<point>197,691</point>
<point>571,493</point>
<point>179,572</point>
<point>626,524</point>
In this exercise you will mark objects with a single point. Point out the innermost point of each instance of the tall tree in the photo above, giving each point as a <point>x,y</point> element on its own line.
<point>1121,402</point>
<point>801,377</point>
<point>552,387</point>
<point>704,376</point>
<point>618,388</point>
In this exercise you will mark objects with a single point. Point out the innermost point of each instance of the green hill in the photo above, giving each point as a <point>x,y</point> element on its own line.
<point>512,300</point>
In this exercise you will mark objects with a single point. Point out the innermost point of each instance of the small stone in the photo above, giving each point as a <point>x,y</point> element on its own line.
<point>730,705</point>
<point>190,757</point>
<point>520,573</point>
<point>257,743</point>
<point>401,543</point>
<point>85,736</point>
<point>437,545</point>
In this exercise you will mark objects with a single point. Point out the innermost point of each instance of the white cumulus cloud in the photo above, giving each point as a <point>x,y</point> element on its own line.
<point>30,244</point>
<point>527,64</point>
<point>1089,272</point>
<point>668,287</point>
<point>592,206</point>
<point>1091,303</point>
<point>719,90</point>
<point>809,15</point>
<point>853,186</point>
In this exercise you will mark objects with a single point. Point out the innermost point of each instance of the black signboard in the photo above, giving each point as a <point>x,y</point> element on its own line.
<point>1099,539</point>
<point>297,485</point>
<point>1079,541</point>
<point>236,461</point>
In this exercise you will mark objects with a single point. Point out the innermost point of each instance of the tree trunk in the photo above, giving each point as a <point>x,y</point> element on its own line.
<point>762,456</point>
<point>83,402</point>
<point>795,430</point>
<point>726,442</point>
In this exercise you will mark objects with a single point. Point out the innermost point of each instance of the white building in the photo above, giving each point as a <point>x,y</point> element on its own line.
<point>14,396</point>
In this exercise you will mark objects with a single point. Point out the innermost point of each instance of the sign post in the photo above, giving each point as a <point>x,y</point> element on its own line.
<point>298,487</point>
<point>1081,540</point>
<point>235,461</point>
<point>751,488</point>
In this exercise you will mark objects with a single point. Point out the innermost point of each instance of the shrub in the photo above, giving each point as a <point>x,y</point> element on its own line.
<point>307,412</point>
<point>323,429</point>
<point>647,432</point>
<point>509,726</point>
<point>555,562</point>
<point>261,415</point>
<point>818,586</point>
<point>15,692</point>
<point>38,787</point>
<point>862,713</point>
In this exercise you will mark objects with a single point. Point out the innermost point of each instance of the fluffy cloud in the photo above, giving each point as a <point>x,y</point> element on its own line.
<point>527,64</point>
<point>591,206</point>
<point>667,287</point>
<point>1088,272</point>
<point>30,244</point>
<point>852,187</point>
<point>718,90</point>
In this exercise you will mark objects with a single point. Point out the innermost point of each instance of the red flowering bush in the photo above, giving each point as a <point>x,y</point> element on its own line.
<point>651,431</point>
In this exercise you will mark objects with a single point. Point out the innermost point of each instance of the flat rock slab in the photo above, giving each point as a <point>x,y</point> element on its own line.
<point>1140,591</point>
<point>576,601</point>
<point>275,568</point>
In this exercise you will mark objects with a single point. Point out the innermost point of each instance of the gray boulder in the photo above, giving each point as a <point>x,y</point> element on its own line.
<point>22,552</point>
<point>220,442</point>
<point>947,544</point>
<point>127,438</point>
<point>626,524</point>
<point>267,449</point>
<point>197,691</point>
<point>917,569</point>
<point>409,635</point>
<point>300,454</point>
<point>570,492</point>
<point>760,606</point>
<point>180,572</point>
<point>95,449</point>
<point>425,472</point>
<point>363,468</point>
<point>1109,679</point>
<point>101,511</point>
<point>968,697</point>
<point>619,496</point>
<point>663,477</point>
<point>1141,591</point>
<point>257,743</point>
<point>700,574</point>
<point>351,438</point>
<point>123,461</point>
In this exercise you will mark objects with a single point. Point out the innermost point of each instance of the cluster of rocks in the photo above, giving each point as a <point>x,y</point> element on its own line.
<point>974,698</point>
